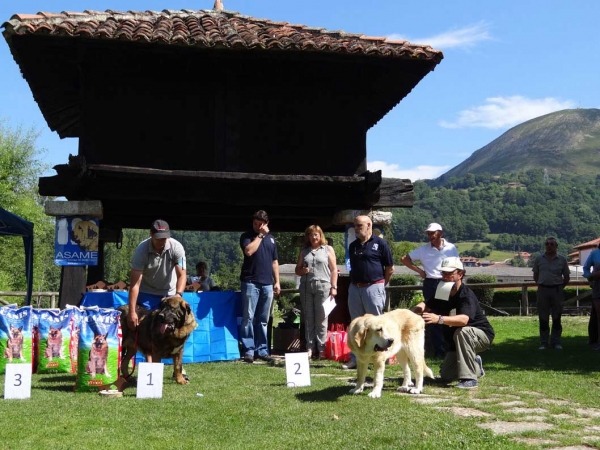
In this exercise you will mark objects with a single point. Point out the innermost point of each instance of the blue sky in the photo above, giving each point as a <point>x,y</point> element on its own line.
<point>504,63</point>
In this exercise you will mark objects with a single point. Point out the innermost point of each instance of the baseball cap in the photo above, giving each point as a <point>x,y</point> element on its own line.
<point>434,227</point>
<point>451,263</point>
<point>160,229</point>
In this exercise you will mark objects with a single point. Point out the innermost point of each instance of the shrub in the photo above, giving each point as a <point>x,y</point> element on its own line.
<point>485,295</point>
<point>285,302</point>
<point>404,299</point>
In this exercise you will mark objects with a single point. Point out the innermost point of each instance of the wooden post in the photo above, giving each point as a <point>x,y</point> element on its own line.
<point>525,300</point>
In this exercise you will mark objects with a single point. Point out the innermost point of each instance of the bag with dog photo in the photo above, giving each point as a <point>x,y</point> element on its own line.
<point>98,358</point>
<point>15,336</point>
<point>53,340</point>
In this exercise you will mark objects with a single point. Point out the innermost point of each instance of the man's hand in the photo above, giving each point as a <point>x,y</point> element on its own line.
<point>264,229</point>
<point>431,318</point>
<point>276,289</point>
<point>132,320</point>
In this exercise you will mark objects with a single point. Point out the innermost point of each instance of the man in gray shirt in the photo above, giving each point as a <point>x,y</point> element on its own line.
<point>551,274</point>
<point>157,270</point>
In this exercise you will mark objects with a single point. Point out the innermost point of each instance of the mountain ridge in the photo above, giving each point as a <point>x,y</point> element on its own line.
<point>562,141</point>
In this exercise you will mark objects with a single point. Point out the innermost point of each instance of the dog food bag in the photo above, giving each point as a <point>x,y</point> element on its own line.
<point>75,318</point>
<point>98,359</point>
<point>53,341</point>
<point>15,336</point>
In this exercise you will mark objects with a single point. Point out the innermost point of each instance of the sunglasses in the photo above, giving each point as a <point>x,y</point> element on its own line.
<point>550,243</point>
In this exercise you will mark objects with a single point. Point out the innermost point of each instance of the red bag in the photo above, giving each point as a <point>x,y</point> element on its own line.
<point>336,347</point>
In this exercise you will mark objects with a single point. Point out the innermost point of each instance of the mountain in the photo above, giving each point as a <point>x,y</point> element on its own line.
<point>563,141</point>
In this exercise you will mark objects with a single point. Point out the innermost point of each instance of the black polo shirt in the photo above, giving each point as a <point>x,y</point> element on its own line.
<point>465,302</point>
<point>368,261</point>
<point>258,268</point>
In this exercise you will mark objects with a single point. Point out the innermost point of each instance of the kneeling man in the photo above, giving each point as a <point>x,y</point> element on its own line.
<point>466,333</point>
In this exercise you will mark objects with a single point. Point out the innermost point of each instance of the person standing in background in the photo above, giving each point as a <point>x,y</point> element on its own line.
<point>431,256</point>
<point>551,274</point>
<point>317,268</point>
<point>372,266</point>
<point>259,281</point>
<point>591,270</point>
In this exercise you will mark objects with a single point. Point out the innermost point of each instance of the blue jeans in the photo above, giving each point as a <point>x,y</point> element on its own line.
<point>256,308</point>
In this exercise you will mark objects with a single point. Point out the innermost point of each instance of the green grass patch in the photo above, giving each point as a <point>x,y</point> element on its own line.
<point>249,406</point>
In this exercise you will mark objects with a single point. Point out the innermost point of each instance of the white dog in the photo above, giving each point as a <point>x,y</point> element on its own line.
<point>377,338</point>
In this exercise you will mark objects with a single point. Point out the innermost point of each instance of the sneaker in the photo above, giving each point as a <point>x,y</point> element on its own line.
<point>542,347</point>
<point>558,347</point>
<point>480,365</point>
<point>322,356</point>
<point>309,352</point>
<point>467,384</point>
<point>349,365</point>
<point>249,359</point>
<point>266,357</point>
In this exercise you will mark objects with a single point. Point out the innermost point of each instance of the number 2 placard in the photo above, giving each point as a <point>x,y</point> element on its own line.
<point>17,381</point>
<point>297,369</point>
<point>150,380</point>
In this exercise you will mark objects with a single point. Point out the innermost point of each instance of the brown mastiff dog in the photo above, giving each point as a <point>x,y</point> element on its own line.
<point>161,333</point>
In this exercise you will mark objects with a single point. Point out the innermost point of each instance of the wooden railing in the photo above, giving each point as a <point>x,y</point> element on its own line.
<point>523,309</point>
<point>37,298</point>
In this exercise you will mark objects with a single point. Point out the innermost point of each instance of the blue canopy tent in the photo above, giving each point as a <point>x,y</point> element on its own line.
<point>12,225</point>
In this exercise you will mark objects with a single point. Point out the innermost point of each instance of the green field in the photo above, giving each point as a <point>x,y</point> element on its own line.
<point>496,255</point>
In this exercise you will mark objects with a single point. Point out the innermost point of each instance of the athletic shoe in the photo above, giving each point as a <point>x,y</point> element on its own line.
<point>542,347</point>
<point>480,365</point>
<point>558,347</point>
<point>249,358</point>
<point>266,357</point>
<point>349,365</point>
<point>467,384</point>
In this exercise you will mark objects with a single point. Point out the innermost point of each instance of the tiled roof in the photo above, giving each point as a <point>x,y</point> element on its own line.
<point>592,243</point>
<point>211,29</point>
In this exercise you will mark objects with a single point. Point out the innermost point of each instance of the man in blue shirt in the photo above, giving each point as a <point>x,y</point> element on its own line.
<point>260,280</point>
<point>591,270</point>
<point>371,267</point>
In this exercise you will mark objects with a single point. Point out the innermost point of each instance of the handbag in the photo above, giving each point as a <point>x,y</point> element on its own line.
<point>336,348</point>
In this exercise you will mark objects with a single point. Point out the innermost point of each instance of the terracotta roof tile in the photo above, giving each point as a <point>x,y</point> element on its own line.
<point>209,29</point>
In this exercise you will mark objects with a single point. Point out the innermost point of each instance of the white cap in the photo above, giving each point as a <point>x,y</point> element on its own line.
<point>451,263</point>
<point>434,227</point>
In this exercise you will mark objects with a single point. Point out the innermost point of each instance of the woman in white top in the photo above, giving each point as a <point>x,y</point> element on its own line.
<point>318,271</point>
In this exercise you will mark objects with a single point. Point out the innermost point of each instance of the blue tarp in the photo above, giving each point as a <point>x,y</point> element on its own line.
<point>215,339</point>
<point>12,225</point>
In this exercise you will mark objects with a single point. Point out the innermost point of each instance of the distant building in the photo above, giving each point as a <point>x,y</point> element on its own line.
<point>584,251</point>
<point>525,256</point>
<point>469,261</point>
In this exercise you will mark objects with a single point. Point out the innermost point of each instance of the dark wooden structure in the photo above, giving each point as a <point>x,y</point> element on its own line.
<point>205,116</point>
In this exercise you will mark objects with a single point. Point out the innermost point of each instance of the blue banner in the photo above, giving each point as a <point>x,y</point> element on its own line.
<point>76,241</point>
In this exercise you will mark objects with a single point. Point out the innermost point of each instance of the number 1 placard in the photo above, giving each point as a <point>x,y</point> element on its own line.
<point>17,381</point>
<point>297,369</point>
<point>150,380</point>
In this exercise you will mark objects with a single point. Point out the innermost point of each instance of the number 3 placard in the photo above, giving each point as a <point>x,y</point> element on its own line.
<point>150,380</point>
<point>17,381</point>
<point>297,369</point>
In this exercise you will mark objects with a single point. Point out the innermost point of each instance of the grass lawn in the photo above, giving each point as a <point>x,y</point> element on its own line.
<point>249,406</point>
<point>496,255</point>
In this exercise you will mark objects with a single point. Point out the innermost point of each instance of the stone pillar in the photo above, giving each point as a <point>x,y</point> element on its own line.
<point>73,278</point>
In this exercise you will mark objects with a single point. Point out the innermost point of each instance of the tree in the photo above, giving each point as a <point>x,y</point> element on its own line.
<point>20,168</point>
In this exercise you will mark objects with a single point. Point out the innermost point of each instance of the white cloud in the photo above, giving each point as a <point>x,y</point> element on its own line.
<point>413,174</point>
<point>466,37</point>
<point>503,112</point>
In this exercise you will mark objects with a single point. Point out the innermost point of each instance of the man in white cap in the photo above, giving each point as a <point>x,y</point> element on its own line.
<point>431,256</point>
<point>467,333</point>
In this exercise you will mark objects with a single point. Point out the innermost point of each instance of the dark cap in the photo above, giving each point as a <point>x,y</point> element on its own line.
<point>160,229</point>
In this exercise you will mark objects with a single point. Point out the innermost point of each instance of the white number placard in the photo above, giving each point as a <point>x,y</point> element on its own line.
<point>297,369</point>
<point>150,380</point>
<point>17,381</point>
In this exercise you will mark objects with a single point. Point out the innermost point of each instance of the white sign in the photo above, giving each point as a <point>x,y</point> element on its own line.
<point>17,381</point>
<point>297,369</point>
<point>150,380</point>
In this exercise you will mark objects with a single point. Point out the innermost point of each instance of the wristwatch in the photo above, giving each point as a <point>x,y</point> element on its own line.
<point>179,293</point>
<point>334,287</point>
<point>260,236</point>
<point>441,320</point>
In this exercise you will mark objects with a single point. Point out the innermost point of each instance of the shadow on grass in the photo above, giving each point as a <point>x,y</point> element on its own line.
<point>575,357</point>
<point>330,394</point>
